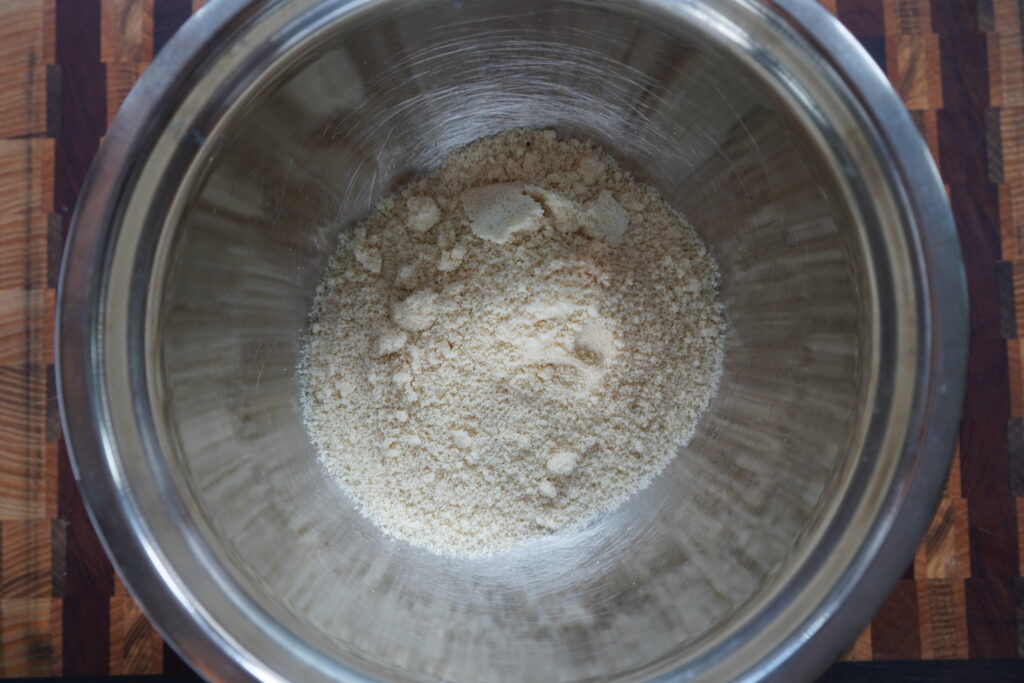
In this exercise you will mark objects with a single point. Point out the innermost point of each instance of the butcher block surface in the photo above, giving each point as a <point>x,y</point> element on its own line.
<point>65,67</point>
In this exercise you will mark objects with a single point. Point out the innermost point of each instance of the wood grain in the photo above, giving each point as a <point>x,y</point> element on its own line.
<point>943,618</point>
<point>26,33</point>
<point>27,643</point>
<point>135,646</point>
<point>26,558</point>
<point>944,552</point>
<point>895,629</point>
<point>126,31</point>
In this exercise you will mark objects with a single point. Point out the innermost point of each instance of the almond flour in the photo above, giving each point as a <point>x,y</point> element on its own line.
<point>510,345</point>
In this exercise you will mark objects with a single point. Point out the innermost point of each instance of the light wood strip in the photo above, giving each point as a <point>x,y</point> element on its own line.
<point>943,619</point>
<point>135,646</point>
<point>1010,51</point>
<point>29,644</point>
<point>23,492</point>
<point>944,551</point>
<point>26,558</point>
<point>26,32</point>
<point>26,327</point>
<point>120,79</point>
<point>22,101</point>
<point>912,62</point>
<point>126,31</point>
<point>860,650</point>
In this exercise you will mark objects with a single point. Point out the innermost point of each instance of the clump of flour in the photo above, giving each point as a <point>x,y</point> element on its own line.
<point>510,345</point>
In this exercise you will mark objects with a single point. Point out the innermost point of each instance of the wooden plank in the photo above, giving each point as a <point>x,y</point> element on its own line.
<point>28,637</point>
<point>126,31</point>
<point>953,488</point>
<point>895,633</point>
<point>862,17</point>
<point>120,79</point>
<point>1011,193</point>
<point>85,624</point>
<point>942,612</point>
<point>26,558</point>
<point>26,179</point>
<point>26,33</point>
<point>135,646</point>
<point>944,553</point>
<point>22,101</point>
<point>26,327</point>
<point>51,467</point>
<point>23,252</point>
<point>1007,19</point>
<point>22,458</point>
<point>913,69</point>
<point>860,650</point>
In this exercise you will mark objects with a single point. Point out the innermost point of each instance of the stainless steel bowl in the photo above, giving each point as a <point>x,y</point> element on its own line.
<point>267,127</point>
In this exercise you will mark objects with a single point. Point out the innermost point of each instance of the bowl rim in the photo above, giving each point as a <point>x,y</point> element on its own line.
<point>216,653</point>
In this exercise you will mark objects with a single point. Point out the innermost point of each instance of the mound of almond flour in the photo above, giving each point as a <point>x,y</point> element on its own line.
<point>510,345</point>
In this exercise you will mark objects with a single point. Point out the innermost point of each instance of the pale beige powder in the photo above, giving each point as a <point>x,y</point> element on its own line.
<point>510,345</point>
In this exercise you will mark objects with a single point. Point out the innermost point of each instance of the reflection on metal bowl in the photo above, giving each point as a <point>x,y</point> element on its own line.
<point>267,127</point>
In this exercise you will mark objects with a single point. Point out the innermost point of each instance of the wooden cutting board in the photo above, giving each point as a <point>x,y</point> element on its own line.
<point>65,66</point>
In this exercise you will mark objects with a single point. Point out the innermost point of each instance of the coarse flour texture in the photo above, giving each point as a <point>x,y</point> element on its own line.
<point>510,345</point>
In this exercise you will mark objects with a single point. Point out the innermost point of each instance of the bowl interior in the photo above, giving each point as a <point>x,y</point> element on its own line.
<point>383,92</point>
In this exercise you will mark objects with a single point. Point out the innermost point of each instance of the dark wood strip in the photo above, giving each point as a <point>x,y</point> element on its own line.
<point>168,16</point>
<point>78,31</point>
<point>87,577</point>
<point>862,17</point>
<point>993,549</point>
<point>988,394</point>
<point>866,20</point>
<point>52,430</point>
<point>954,16</point>
<point>173,663</point>
<point>1015,447</point>
<point>968,159</point>
<point>59,557</point>
<point>1007,302</point>
<point>83,121</point>
<point>991,619</point>
<point>86,627</point>
<point>963,149</point>
<point>89,573</point>
<point>976,210</point>
<point>965,78</point>
<point>895,632</point>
